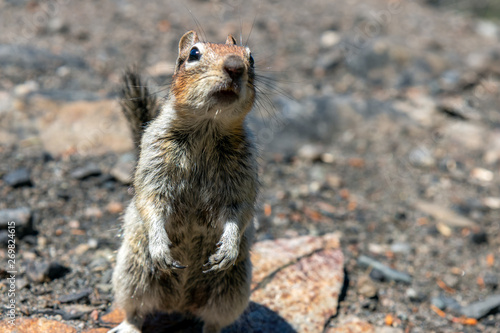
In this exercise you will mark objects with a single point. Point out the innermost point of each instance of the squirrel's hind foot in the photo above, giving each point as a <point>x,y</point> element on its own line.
<point>125,327</point>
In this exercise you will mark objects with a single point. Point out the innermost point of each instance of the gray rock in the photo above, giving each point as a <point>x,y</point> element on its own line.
<point>22,217</point>
<point>415,296</point>
<point>491,280</point>
<point>104,287</point>
<point>99,264</point>
<point>438,303</point>
<point>487,29</point>
<point>106,277</point>
<point>40,272</point>
<point>481,309</point>
<point>444,215</point>
<point>451,280</point>
<point>446,303</point>
<point>4,236</point>
<point>401,248</point>
<point>329,38</point>
<point>378,275</point>
<point>372,56</point>
<point>18,178</point>
<point>123,170</point>
<point>74,297</point>
<point>387,272</point>
<point>366,287</point>
<point>421,157</point>
<point>450,79</point>
<point>90,170</point>
<point>310,152</point>
<point>21,283</point>
<point>328,61</point>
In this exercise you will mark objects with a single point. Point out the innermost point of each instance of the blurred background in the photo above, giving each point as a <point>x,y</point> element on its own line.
<point>379,119</point>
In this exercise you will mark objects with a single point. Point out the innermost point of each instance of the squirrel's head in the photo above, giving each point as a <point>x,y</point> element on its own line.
<point>213,79</point>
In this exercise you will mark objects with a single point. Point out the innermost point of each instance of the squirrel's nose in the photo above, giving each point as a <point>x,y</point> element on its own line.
<point>234,67</point>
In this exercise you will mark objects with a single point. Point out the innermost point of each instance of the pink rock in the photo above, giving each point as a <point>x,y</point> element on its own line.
<point>300,279</point>
<point>36,325</point>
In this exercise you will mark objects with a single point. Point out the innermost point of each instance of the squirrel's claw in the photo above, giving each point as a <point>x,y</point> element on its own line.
<point>223,258</point>
<point>176,264</point>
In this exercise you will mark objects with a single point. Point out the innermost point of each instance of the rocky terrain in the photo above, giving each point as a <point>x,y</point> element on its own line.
<point>379,129</point>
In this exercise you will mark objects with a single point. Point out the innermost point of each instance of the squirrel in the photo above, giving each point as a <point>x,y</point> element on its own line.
<point>189,227</point>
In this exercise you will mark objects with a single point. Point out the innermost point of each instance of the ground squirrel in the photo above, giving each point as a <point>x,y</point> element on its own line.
<point>188,229</point>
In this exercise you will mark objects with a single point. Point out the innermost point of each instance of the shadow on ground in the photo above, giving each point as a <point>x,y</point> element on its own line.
<point>256,318</point>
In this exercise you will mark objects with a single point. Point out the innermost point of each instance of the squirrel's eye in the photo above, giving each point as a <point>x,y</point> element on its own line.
<point>251,61</point>
<point>194,54</point>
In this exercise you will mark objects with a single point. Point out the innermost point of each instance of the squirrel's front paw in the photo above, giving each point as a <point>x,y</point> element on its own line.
<point>162,259</point>
<point>223,258</point>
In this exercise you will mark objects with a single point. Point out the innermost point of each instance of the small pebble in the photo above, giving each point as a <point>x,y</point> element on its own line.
<point>492,202</point>
<point>421,157</point>
<point>366,287</point>
<point>329,38</point>
<point>487,29</point>
<point>387,272</point>
<point>93,243</point>
<point>482,175</point>
<point>74,297</point>
<point>451,280</point>
<point>310,152</point>
<point>401,248</point>
<point>370,304</point>
<point>479,237</point>
<point>481,309</point>
<point>29,256</point>
<point>18,178</point>
<point>22,217</point>
<point>106,277</point>
<point>438,303</point>
<point>377,275</point>
<point>114,207</point>
<point>446,303</point>
<point>491,280</point>
<point>327,158</point>
<point>4,236</point>
<point>123,170</point>
<point>44,272</point>
<point>74,224</point>
<point>82,173</point>
<point>26,88</point>
<point>104,287</point>
<point>81,249</point>
<point>93,212</point>
<point>42,242</point>
<point>415,296</point>
<point>30,239</point>
<point>22,283</point>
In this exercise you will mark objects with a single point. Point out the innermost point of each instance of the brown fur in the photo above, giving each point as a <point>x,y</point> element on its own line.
<point>188,230</point>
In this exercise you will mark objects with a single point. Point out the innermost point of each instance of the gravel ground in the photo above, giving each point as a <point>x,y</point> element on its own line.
<point>384,126</point>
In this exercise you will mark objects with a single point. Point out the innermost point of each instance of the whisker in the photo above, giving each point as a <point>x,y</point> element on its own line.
<point>198,25</point>
<point>251,29</point>
<point>241,23</point>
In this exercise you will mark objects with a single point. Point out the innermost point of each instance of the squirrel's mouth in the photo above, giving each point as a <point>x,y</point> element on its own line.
<point>226,95</point>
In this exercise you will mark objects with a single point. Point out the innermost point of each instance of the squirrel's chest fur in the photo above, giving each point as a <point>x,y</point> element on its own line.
<point>198,176</point>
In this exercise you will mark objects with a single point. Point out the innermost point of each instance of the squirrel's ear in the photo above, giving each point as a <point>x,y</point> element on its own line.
<point>230,40</point>
<point>189,39</point>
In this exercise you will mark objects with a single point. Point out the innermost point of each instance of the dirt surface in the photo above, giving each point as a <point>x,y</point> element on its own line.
<point>384,126</point>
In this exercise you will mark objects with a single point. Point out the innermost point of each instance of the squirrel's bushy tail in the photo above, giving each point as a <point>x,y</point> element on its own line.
<point>138,105</point>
